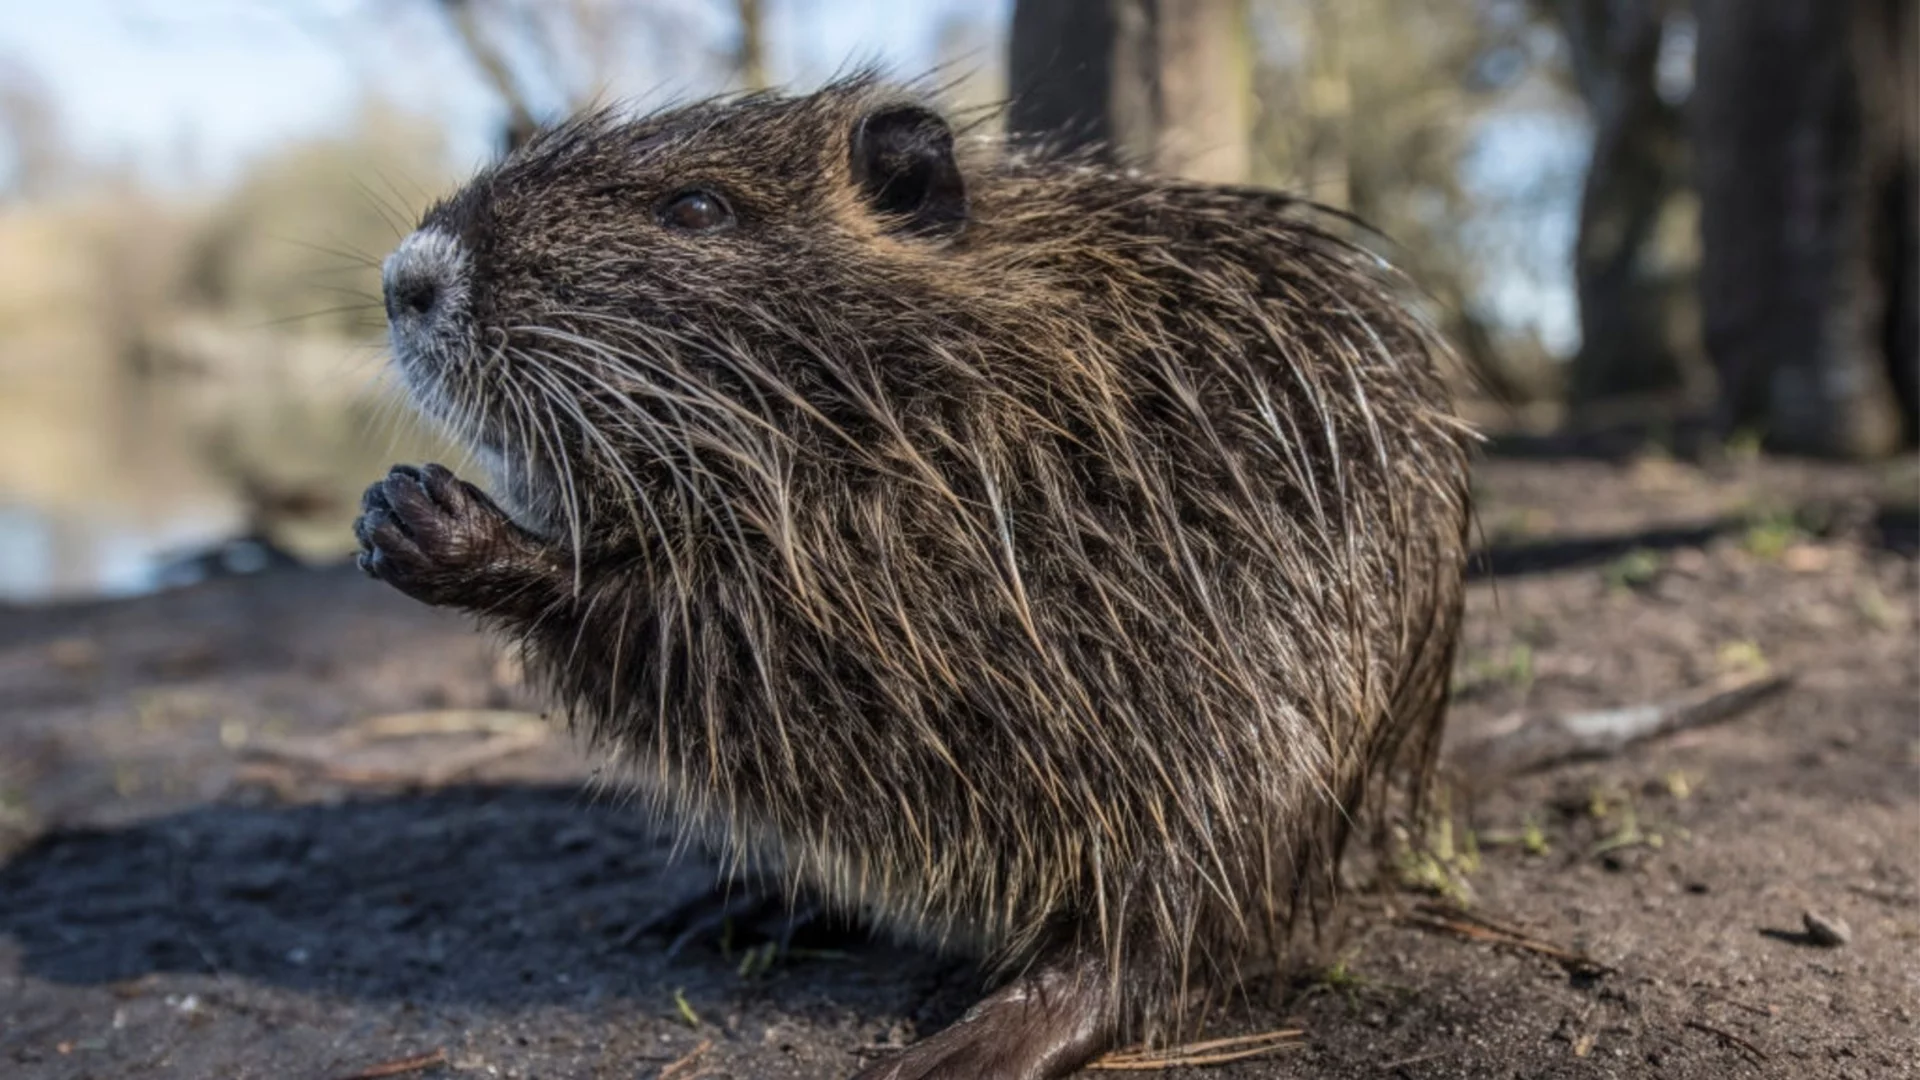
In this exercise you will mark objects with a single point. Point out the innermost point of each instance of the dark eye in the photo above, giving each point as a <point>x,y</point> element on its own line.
<point>695,211</point>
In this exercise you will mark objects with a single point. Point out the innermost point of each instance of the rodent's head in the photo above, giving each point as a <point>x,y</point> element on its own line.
<point>623,294</point>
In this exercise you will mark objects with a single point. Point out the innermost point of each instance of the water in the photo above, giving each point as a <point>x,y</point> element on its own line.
<point>52,554</point>
<point>116,480</point>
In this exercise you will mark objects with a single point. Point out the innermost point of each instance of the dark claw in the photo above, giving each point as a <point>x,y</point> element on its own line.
<point>369,521</point>
<point>413,510</point>
<point>429,533</point>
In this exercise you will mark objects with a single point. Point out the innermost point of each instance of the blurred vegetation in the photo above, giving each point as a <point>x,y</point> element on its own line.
<point>183,365</point>
<point>1379,107</point>
<point>299,240</point>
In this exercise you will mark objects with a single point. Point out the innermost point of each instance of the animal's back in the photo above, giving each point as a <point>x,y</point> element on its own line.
<point>1110,635</point>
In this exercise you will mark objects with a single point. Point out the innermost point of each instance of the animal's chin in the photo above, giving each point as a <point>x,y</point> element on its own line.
<point>424,376</point>
<point>522,487</point>
<point>517,483</point>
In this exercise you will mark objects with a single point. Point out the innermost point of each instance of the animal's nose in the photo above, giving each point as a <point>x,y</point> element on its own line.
<point>411,294</point>
<point>420,278</point>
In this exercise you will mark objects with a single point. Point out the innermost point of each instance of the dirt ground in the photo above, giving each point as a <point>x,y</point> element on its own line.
<point>295,826</point>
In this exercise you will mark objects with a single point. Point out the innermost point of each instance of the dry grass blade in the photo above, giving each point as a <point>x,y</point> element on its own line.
<point>461,762</point>
<point>1769,1011</point>
<point>447,722</point>
<point>1465,924</point>
<point>685,1061</point>
<point>344,756</point>
<point>400,1066</point>
<point>1200,1054</point>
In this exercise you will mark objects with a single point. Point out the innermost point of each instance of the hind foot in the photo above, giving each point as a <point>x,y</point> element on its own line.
<point>1042,1026</point>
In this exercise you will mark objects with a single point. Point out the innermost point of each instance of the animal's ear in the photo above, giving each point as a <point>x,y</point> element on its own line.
<point>903,163</point>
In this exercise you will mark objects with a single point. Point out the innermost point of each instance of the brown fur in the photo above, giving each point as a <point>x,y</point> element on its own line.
<point>1063,579</point>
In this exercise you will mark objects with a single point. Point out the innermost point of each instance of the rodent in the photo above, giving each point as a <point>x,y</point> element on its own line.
<point>1042,559</point>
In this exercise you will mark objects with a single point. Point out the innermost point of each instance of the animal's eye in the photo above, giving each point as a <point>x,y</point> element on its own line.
<point>695,211</point>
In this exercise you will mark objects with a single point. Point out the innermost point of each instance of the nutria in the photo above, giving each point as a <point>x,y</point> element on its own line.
<point>1039,559</point>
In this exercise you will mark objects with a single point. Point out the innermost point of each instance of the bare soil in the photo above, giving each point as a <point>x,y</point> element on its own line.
<point>295,826</point>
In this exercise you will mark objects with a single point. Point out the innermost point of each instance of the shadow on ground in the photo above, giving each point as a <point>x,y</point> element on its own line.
<point>476,895</point>
<point>1894,529</point>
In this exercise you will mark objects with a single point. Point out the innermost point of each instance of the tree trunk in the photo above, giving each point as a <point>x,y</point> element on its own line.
<point>520,124</point>
<point>1889,42</point>
<point>750,47</point>
<point>1165,84</point>
<point>1636,280</point>
<point>1805,169</point>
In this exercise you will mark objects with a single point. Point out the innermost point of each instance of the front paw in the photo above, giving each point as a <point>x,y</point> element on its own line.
<point>433,536</point>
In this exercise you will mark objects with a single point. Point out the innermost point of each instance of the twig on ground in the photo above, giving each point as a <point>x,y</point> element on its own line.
<point>1730,1037</point>
<point>685,1060</point>
<point>461,762</point>
<point>1542,742</point>
<point>1474,927</point>
<point>1768,1011</point>
<point>1211,1052</point>
<point>445,722</point>
<point>507,733</point>
<point>400,1066</point>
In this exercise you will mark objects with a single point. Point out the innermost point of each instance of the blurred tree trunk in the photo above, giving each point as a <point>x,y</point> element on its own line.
<point>520,124</point>
<point>1636,263</point>
<point>750,49</point>
<point>1888,40</point>
<point>30,133</point>
<point>1166,84</point>
<point>1805,144</point>
<point>1371,106</point>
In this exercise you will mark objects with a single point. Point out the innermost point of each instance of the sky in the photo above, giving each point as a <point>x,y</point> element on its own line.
<point>190,90</point>
<point>153,81</point>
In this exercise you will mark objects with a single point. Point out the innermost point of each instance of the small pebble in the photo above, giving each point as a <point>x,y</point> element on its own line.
<point>1824,931</point>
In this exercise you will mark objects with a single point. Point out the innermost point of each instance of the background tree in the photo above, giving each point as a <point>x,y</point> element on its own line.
<point>970,51</point>
<point>545,59</point>
<point>750,44</point>
<point>1636,263</point>
<point>1378,107</point>
<point>1361,104</point>
<point>33,153</point>
<point>1804,133</point>
<point>1165,84</point>
<point>469,23</point>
